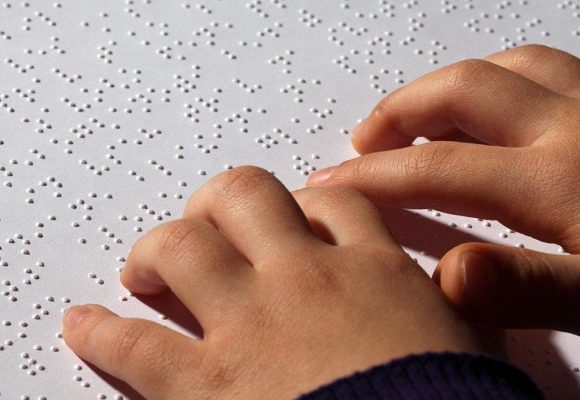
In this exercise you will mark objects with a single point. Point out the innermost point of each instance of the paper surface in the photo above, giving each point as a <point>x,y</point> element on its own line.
<point>112,113</point>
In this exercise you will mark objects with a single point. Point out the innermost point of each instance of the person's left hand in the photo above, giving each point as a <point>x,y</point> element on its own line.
<point>292,292</point>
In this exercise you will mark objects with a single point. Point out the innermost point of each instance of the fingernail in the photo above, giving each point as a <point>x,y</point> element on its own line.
<point>318,177</point>
<point>358,129</point>
<point>479,280</point>
<point>74,316</point>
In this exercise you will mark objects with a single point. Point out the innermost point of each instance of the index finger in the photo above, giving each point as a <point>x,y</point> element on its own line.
<point>486,101</point>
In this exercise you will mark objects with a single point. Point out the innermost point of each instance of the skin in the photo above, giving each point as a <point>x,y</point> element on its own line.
<point>295,290</point>
<point>505,145</point>
<point>291,290</point>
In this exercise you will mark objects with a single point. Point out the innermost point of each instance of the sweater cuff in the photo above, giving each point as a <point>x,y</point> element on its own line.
<point>434,376</point>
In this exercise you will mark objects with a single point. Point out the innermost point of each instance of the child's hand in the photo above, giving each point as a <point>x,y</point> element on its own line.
<point>291,292</point>
<point>523,107</point>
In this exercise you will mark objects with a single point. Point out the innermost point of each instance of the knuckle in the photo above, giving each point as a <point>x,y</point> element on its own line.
<point>240,180</point>
<point>219,369</point>
<point>530,55</point>
<point>318,277</point>
<point>172,237</point>
<point>466,74</point>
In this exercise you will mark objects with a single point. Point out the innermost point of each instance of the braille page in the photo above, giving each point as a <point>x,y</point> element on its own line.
<point>113,112</point>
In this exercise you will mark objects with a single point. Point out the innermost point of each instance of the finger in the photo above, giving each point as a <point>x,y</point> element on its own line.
<point>512,287</point>
<point>490,103</point>
<point>552,68</point>
<point>252,209</point>
<point>467,179</point>
<point>200,266</point>
<point>342,216</point>
<point>149,357</point>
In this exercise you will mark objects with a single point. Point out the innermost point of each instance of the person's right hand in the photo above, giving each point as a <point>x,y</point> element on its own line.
<point>520,109</point>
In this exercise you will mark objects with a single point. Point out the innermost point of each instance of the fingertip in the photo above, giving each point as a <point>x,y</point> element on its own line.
<point>319,177</point>
<point>358,136</point>
<point>78,322</point>
<point>449,276</point>
<point>74,315</point>
<point>136,283</point>
<point>374,136</point>
<point>467,276</point>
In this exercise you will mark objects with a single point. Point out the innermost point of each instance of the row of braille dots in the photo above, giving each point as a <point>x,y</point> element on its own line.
<point>387,8</point>
<point>192,113</point>
<point>448,6</point>
<point>78,378</point>
<point>27,94</point>
<point>92,167</point>
<point>96,279</point>
<point>8,173</point>
<point>343,62</point>
<point>242,85</point>
<point>5,104</point>
<point>44,125</point>
<point>161,167</point>
<point>10,291</point>
<point>45,18</point>
<point>167,51</point>
<point>200,7</point>
<point>159,216</point>
<point>105,53</point>
<point>256,6</point>
<point>433,53</point>
<point>5,35</point>
<point>333,32</point>
<point>53,47</point>
<point>204,149</point>
<point>279,4</point>
<point>570,5</point>
<point>415,23</point>
<point>111,235</point>
<point>204,31</point>
<point>78,108</point>
<point>267,141</point>
<point>320,114</point>
<point>31,365</point>
<point>283,60</point>
<point>503,234</point>
<point>44,183</point>
<point>297,91</point>
<point>268,31</point>
<point>308,18</point>
<point>23,241</point>
<point>183,84</point>
<point>241,119</point>
<point>303,166</point>
<point>155,216</point>
<point>375,80</point>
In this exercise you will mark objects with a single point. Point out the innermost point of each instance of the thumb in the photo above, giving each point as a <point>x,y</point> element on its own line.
<point>512,287</point>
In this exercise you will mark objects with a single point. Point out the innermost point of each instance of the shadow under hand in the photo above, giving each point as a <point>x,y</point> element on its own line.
<point>169,305</point>
<point>536,353</point>
<point>122,387</point>
<point>419,233</point>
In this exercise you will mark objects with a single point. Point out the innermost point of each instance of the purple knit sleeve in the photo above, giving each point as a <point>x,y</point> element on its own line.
<point>434,376</point>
